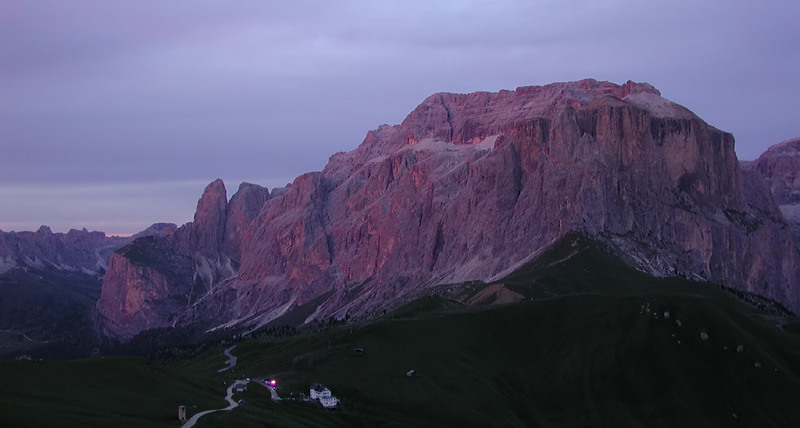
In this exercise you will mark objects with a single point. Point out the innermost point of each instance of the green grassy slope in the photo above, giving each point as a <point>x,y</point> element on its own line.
<point>121,392</point>
<point>593,348</point>
<point>582,360</point>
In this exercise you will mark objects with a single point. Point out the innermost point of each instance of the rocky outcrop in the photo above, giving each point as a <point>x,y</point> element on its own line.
<point>779,167</point>
<point>239,213</point>
<point>156,277</point>
<point>157,229</point>
<point>146,285</point>
<point>472,186</point>
<point>204,235</point>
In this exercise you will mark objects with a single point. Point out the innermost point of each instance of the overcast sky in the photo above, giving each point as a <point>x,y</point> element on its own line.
<point>116,114</point>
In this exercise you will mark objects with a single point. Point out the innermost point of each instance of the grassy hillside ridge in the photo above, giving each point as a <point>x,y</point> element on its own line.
<point>567,361</point>
<point>596,343</point>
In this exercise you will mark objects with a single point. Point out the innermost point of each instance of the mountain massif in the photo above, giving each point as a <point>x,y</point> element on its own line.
<point>469,187</point>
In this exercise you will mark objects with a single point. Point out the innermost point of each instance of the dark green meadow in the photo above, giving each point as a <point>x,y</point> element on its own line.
<point>583,360</point>
<point>100,392</point>
<point>591,345</point>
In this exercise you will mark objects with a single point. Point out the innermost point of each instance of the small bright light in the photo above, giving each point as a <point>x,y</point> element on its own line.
<point>272,382</point>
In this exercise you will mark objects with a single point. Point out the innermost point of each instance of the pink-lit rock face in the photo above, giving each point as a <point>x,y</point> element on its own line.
<point>205,233</point>
<point>469,186</point>
<point>146,285</point>
<point>242,209</point>
<point>158,276</point>
<point>780,168</point>
<point>132,300</point>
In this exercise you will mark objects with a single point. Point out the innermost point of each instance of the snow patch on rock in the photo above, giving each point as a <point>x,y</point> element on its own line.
<point>658,106</point>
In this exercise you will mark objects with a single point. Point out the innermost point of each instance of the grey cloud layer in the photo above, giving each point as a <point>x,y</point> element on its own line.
<point>153,91</point>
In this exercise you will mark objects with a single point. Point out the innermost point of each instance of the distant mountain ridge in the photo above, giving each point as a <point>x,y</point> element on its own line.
<point>467,188</point>
<point>49,286</point>
<point>76,250</point>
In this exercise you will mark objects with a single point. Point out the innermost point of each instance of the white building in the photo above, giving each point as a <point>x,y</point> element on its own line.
<point>319,390</point>
<point>329,402</point>
<point>323,394</point>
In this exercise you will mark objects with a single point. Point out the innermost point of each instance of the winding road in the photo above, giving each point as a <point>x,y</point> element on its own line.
<point>193,420</point>
<point>229,397</point>
<point>231,359</point>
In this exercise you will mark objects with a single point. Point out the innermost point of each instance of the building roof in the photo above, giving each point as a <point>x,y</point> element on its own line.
<point>316,386</point>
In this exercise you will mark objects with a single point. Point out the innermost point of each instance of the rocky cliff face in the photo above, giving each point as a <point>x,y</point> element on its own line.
<point>204,235</point>
<point>156,277</point>
<point>779,167</point>
<point>471,186</point>
<point>244,206</point>
<point>146,285</point>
